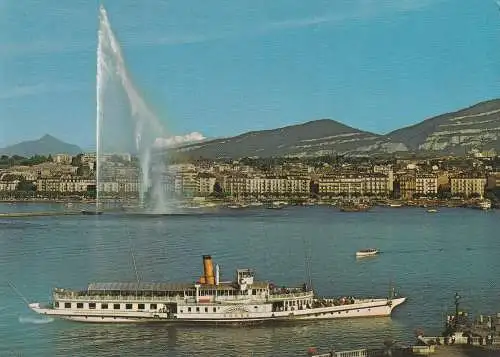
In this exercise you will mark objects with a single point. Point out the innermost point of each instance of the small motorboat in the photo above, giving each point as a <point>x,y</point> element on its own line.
<point>366,252</point>
<point>432,210</point>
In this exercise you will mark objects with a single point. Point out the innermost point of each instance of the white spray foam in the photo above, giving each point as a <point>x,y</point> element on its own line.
<point>111,67</point>
<point>35,320</point>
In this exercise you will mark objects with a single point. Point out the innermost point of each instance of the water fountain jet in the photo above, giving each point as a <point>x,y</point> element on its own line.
<point>115,91</point>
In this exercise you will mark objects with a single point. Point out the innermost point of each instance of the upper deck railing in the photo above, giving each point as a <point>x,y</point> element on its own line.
<point>294,295</point>
<point>130,296</point>
<point>177,299</point>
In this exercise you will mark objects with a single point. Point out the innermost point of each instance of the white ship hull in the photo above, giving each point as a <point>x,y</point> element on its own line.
<point>208,301</point>
<point>361,308</point>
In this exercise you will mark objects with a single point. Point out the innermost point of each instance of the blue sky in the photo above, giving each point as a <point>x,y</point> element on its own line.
<point>223,67</point>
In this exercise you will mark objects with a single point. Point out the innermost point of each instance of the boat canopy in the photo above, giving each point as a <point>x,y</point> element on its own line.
<point>164,287</point>
<point>143,286</point>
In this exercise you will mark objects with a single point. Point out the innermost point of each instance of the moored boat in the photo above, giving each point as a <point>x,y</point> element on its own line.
<point>355,207</point>
<point>91,212</point>
<point>366,252</point>
<point>482,205</point>
<point>209,300</point>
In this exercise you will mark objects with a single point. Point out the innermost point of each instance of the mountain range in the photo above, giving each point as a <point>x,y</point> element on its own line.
<point>455,133</point>
<point>475,127</point>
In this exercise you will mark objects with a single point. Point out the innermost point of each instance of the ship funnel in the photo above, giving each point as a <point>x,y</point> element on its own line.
<point>217,274</point>
<point>208,271</point>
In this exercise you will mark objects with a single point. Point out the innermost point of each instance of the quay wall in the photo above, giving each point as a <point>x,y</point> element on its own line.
<point>38,214</point>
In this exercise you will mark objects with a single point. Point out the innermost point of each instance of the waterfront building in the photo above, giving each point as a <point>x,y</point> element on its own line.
<point>407,186</point>
<point>389,172</point>
<point>341,185</point>
<point>235,184</point>
<point>468,185</point>
<point>493,180</point>
<point>426,184</point>
<point>206,183</point>
<point>279,186</point>
<point>9,186</point>
<point>376,184</point>
<point>238,185</point>
<point>63,185</point>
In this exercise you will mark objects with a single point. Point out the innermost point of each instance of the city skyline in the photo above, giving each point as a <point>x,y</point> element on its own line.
<point>223,69</point>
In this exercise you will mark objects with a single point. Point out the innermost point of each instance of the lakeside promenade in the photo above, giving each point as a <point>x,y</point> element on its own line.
<point>38,214</point>
<point>394,203</point>
<point>76,207</point>
<point>443,351</point>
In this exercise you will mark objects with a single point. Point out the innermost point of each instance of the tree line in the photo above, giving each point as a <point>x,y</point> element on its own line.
<point>16,160</point>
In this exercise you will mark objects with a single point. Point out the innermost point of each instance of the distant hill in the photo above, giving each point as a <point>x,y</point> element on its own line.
<point>44,146</point>
<point>476,127</point>
<point>314,138</point>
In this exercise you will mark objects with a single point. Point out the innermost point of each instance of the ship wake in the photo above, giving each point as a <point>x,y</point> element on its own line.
<point>35,320</point>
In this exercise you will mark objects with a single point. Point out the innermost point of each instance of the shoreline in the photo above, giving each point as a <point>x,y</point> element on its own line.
<point>72,205</point>
<point>393,203</point>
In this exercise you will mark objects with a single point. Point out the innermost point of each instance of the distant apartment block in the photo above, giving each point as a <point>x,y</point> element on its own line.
<point>9,185</point>
<point>237,185</point>
<point>389,172</point>
<point>426,184</point>
<point>468,186</point>
<point>206,183</point>
<point>412,185</point>
<point>493,180</point>
<point>120,186</point>
<point>63,185</point>
<point>375,184</point>
<point>64,159</point>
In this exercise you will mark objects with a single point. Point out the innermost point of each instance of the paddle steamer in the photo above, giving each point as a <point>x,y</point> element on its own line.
<point>208,300</point>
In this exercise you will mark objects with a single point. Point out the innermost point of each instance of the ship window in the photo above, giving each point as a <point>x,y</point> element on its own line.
<point>67,305</point>
<point>128,306</point>
<point>91,305</point>
<point>104,306</point>
<point>197,309</point>
<point>140,306</point>
<point>206,309</point>
<point>56,304</point>
<point>152,306</point>
<point>254,292</point>
<point>215,309</point>
<point>79,305</point>
<point>116,306</point>
<point>189,309</point>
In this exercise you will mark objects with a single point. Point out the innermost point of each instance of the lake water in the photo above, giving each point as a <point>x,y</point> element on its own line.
<point>428,257</point>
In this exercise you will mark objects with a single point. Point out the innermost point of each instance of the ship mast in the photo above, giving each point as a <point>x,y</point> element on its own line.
<point>307,264</point>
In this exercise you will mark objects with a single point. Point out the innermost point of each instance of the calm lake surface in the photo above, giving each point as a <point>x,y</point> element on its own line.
<point>429,257</point>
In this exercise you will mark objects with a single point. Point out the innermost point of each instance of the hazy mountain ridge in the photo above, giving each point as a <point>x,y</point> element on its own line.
<point>314,138</point>
<point>46,145</point>
<point>477,126</point>
<point>456,132</point>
